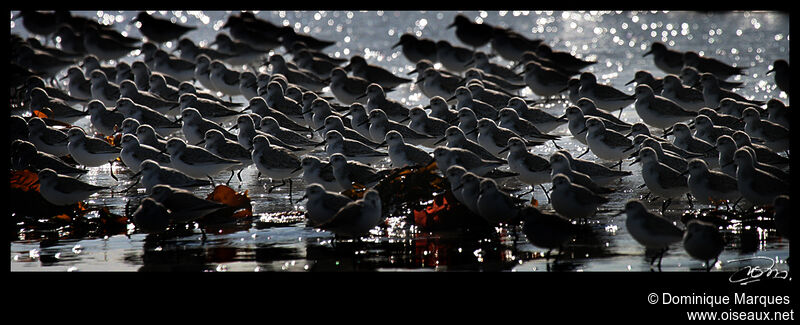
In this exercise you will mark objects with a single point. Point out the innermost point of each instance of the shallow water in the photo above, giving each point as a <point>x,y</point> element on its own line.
<point>616,40</point>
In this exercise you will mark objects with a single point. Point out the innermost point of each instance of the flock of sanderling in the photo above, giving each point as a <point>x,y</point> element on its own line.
<point>167,106</point>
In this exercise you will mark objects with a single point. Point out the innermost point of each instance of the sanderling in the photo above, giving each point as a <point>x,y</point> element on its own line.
<point>159,87</point>
<point>577,123</point>
<point>707,131</point>
<point>647,78</point>
<point>481,61</point>
<point>145,115</point>
<point>491,81</point>
<point>358,217</point>
<point>546,230</point>
<point>456,139</point>
<point>453,175</point>
<point>720,119</point>
<point>216,143</point>
<point>763,153</point>
<point>189,51</point>
<point>142,75</point>
<point>726,147</point>
<point>347,89</point>
<point>335,123</point>
<point>322,205</point>
<point>471,33</point>
<point>755,185</point>
<point>209,109</point>
<point>196,161</point>
<point>562,59</point>
<point>360,121</point>
<point>259,106</point>
<point>379,125</point>
<point>524,128</point>
<point>782,75</point>
<point>710,65</point>
<point>154,174</point>
<point>710,186</point>
<point>691,77</point>
<point>123,72</point>
<point>606,144</point>
<point>289,36</point>
<point>402,154</point>
<point>151,216</point>
<point>320,67</point>
<point>77,84</point>
<point>160,30</point>
<point>424,124</point>
<point>512,45</point>
<point>453,58</point>
<point>440,110</point>
<point>481,109</point>
<point>574,201</point>
<point>669,61</point>
<point>658,111</point>
<point>147,135</point>
<point>41,62</point>
<point>91,63</point>
<point>775,137</point>
<point>703,241</point>
<point>336,143</point>
<point>416,49</point>
<point>102,89</point>
<point>271,126</point>
<point>666,157</point>
<point>650,230</point>
<point>434,83</point>
<point>320,172</point>
<point>688,98</point>
<point>495,138</point>
<point>46,138</point>
<point>600,174</point>
<point>447,157</point>
<point>604,96</point>
<point>25,156</point>
<point>686,141</point>
<point>244,30</point>
<point>559,164</point>
<point>59,109</point>
<point>532,169</point>
<point>202,70</point>
<point>134,153</point>
<point>778,112</point>
<point>64,190</point>
<point>184,206</point>
<point>374,73</point>
<point>496,206</point>
<point>105,48</point>
<point>589,108</point>
<point>225,80</point>
<point>541,119</point>
<point>34,82</point>
<point>543,81</point>
<point>376,99</point>
<point>660,179</point>
<point>248,85</point>
<point>90,151</point>
<point>320,110</point>
<point>241,53</point>
<point>469,189</point>
<point>306,80</point>
<point>497,98</point>
<point>468,123</point>
<point>714,94</point>
<point>348,173</point>
<point>128,89</point>
<point>178,68</point>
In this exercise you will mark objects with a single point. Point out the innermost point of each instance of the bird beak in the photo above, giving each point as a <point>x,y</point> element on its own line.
<point>583,130</point>
<point>504,150</point>
<point>420,79</point>
<point>451,98</point>
<point>619,213</point>
<point>64,77</point>
<point>451,25</point>
<point>411,72</point>
<point>235,126</point>
<point>362,123</point>
<point>629,148</point>
<point>711,149</point>
<point>396,45</point>
<point>648,53</point>
<point>726,165</point>
<point>305,112</point>
<point>770,71</point>
<point>301,198</point>
<point>629,134</point>
<point>296,169</point>
<point>471,132</point>
<point>458,187</point>
<point>562,116</point>
<point>440,141</point>
<point>348,114</point>
<point>630,82</point>
<point>380,145</point>
<point>684,173</point>
<point>361,96</point>
<point>636,160</point>
<point>201,142</point>
<point>404,120</point>
<point>324,142</point>
<point>348,67</point>
<point>320,129</point>
<point>470,62</point>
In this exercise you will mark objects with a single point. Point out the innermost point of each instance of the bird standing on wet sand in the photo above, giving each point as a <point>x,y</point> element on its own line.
<point>650,230</point>
<point>160,30</point>
<point>374,73</point>
<point>668,60</point>
<point>64,190</point>
<point>472,34</point>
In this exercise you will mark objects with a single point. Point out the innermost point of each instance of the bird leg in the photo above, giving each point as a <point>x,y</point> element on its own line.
<point>545,193</point>
<point>689,197</point>
<point>111,170</point>
<point>556,145</point>
<point>229,178</point>
<point>283,182</point>
<point>585,152</point>
<point>665,205</point>
<point>528,192</point>
<point>239,175</point>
